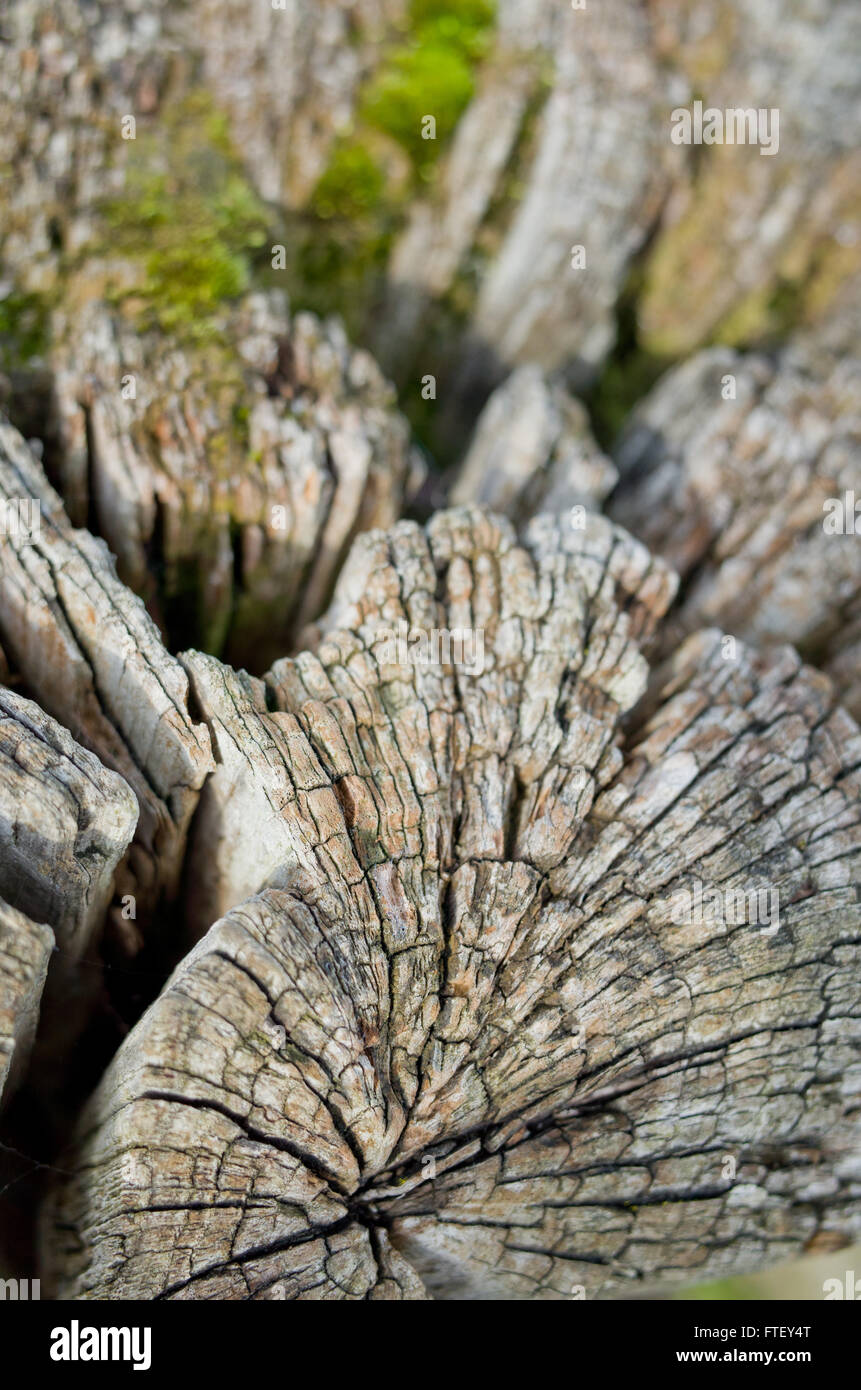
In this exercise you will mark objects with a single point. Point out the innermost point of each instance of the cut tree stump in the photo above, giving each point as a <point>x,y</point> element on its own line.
<point>457,1039</point>
<point>517,970</point>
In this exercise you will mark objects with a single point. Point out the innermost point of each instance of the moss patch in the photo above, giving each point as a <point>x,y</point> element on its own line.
<point>353,184</point>
<point>338,247</point>
<point>24,320</point>
<point>188,218</point>
<point>430,72</point>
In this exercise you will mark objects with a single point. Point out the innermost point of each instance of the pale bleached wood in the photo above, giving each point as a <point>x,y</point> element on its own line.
<point>566,141</point>
<point>456,1009</point>
<point>65,823</point>
<point>25,951</point>
<point>533,451</point>
<point>727,469</point>
<point>87,651</point>
<point>232,483</point>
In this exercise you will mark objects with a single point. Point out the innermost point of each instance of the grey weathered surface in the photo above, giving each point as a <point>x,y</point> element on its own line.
<point>239,845</point>
<point>25,950</point>
<point>704,1042</point>
<point>592,175</point>
<point>289,79</point>
<point>240,529</point>
<point>48,59</point>
<point>90,655</point>
<point>440,1033</point>
<point>533,451</point>
<point>459,947</point>
<point>733,493</point>
<point>739,228</point>
<point>65,823</point>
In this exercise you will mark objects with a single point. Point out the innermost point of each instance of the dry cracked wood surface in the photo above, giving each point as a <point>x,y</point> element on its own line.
<point>322,455</point>
<point>446,1037</point>
<point>430,808</point>
<point>89,653</point>
<point>65,824</point>
<point>736,468</point>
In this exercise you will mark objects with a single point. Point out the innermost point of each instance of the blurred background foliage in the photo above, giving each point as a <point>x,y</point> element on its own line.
<point>802,1279</point>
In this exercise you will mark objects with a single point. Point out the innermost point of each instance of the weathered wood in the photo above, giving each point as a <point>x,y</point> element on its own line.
<point>596,104</point>
<point>735,491</point>
<point>533,451</point>
<point>245,831</point>
<point>738,227</point>
<point>232,483</point>
<point>444,1029</point>
<point>730,469</point>
<point>453,1040</point>
<point>65,823</point>
<point>566,141</point>
<point>714,1125</point>
<point>90,655</point>
<point>25,951</point>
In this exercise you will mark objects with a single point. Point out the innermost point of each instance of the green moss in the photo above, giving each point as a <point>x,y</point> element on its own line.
<point>429,73</point>
<point>188,218</point>
<point>24,320</point>
<point>464,22</point>
<point>353,184</point>
<point>444,433</point>
<point>419,82</point>
<point>630,371</point>
<point>336,265</point>
<point>338,247</point>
